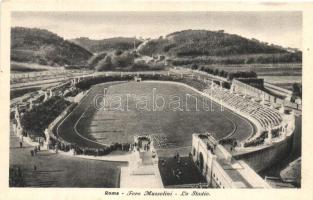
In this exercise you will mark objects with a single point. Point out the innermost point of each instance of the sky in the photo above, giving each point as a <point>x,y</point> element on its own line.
<point>281,27</point>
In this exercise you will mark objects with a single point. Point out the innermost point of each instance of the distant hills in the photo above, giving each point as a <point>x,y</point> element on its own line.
<point>32,45</point>
<point>207,43</point>
<point>216,47</point>
<point>110,44</point>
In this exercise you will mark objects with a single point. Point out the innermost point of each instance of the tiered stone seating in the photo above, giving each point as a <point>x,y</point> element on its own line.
<point>267,117</point>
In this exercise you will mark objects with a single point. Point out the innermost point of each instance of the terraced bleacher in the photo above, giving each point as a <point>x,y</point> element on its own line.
<point>268,118</point>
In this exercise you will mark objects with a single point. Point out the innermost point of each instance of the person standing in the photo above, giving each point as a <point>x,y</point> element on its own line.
<point>56,148</point>
<point>35,151</point>
<point>21,144</point>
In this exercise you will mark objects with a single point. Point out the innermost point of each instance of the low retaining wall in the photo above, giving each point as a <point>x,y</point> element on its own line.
<point>264,157</point>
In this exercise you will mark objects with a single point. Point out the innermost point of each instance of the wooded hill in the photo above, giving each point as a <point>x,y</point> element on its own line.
<point>209,43</point>
<point>105,45</point>
<point>32,45</point>
<point>211,47</point>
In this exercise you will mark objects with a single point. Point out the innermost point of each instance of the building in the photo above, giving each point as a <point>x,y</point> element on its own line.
<point>219,168</point>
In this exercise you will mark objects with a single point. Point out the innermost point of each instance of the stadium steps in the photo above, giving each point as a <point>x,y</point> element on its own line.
<point>38,178</point>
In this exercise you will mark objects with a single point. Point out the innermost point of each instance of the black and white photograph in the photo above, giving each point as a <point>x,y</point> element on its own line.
<point>149,100</point>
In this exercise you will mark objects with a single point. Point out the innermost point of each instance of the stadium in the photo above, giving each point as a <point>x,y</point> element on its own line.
<point>117,113</point>
<point>185,107</point>
<point>173,126</point>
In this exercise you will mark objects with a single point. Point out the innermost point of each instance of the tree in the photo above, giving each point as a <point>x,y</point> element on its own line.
<point>93,61</point>
<point>296,90</point>
<point>123,60</point>
<point>252,74</point>
<point>209,70</point>
<point>202,68</point>
<point>216,72</point>
<point>104,64</point>
<point>230,76</point>
<point>194,66</point>
<point>221,73</point>
<point>226,74</point>
<point>118,52</point>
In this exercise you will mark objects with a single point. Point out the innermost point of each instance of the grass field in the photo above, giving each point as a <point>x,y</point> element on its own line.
<point>283,69</point>
<point>283,81</point>
<point>21,92</point>
<point>282,75</point>
<point>171,128</point>
<point>20,67</point>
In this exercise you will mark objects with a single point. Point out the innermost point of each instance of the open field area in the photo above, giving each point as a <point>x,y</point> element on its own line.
<point>21,92</point>
<point>21,67</point>
<point>168,128</point>
<point>283,81</point>
<point>283,75</point>
<point>281,69</point>
<point>43,79</point>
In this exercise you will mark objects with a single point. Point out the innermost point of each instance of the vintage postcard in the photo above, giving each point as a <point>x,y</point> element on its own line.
<point>156,100</point>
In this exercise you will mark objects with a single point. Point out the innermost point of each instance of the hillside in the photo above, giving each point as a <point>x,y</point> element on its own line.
<point>32,45</point>
<point>214,44</point>
<point>110,44</point>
